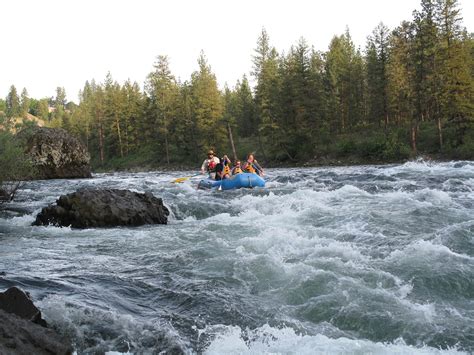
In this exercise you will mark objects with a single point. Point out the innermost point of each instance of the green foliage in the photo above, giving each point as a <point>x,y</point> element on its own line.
<point>410,92</point>
<point>13,108</point>
<point>346,147</point>
<point>15,165</point>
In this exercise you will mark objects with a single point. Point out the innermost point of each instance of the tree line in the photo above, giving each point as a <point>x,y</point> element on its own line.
<point>409,91</point>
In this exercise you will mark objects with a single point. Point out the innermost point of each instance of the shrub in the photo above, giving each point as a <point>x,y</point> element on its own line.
<point>15,167</point>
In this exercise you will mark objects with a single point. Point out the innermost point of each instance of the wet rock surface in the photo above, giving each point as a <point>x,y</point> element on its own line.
<point>89,208</point>
<point>19,303</point>
<point>23,331</point>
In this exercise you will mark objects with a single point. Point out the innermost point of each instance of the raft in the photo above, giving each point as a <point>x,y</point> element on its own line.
<point>248,180</point>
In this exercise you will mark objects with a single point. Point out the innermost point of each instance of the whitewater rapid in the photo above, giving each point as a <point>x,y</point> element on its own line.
<point>369,259</point>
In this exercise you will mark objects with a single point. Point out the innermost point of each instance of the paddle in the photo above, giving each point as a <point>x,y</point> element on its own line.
<point>182,179</point>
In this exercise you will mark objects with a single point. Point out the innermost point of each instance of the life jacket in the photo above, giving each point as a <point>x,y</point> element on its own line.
<point>236,170</point>
<point>226,170</point>
<point>211,167</point>
<point>250,168</point>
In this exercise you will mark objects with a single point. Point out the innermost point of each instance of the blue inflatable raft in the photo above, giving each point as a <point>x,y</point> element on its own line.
<point>235,182</point>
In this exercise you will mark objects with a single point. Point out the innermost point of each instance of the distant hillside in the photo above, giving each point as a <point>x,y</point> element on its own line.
<point>29,118</point>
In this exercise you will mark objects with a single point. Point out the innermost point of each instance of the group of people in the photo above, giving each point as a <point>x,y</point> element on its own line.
<point>220,169</point>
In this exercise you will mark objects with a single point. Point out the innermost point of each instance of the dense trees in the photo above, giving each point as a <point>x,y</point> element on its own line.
<point>411,89</point>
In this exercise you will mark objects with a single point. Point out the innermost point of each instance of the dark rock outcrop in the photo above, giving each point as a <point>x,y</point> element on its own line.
<point>19,334</point>
<point>18,302</point>
<point>4,196</point>
<point>104,208</point>
<point>55,153</point>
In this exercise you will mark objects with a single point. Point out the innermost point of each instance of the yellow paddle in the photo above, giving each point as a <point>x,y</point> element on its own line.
<point>182,179</point>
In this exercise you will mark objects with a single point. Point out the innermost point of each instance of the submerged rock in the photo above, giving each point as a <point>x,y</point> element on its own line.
<point>56,154</point>
<point>104,208</point>
<point>19,331</point>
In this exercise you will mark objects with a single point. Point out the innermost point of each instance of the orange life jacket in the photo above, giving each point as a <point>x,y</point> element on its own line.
<point>226,170</point>
<point>249,168</point>
<point>236,170</point>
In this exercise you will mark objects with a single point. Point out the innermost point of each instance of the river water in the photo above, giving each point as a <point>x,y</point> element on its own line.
<point>371,259</point>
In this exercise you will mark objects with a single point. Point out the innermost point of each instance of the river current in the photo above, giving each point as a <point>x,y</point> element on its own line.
<point>367,259</point>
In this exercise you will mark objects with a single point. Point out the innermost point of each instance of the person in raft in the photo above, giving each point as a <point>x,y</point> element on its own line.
<point>252,166</point>
<point>223,168</point>
<point>237,169</point>
<point>209,165</point>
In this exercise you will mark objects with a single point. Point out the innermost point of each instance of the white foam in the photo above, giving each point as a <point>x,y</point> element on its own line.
<point>425,250</point>
<point>22,221</point>
<point>270,340</point>
<point>80,323</point>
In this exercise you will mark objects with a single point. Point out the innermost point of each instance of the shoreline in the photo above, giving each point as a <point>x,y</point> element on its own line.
<point>312,163</point>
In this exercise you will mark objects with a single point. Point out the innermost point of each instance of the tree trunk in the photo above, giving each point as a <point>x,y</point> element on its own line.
<point>101,143</point>
<point>440,132</point>
<point>101,137</point>
<point>126,137</point>
<point>231,138</point>
<point>261,147</point>
<point>166,147</point>
<point>119,134</point>
<point>413,139</point>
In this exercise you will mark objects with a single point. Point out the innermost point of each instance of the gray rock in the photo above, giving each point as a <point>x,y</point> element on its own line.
<point>23,331</point>
<point>55,153</point>
<point>20,336</point>
<point>19,303</point>
<point>88,208</point>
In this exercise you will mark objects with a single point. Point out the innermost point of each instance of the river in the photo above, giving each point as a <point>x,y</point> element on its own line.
<point>367,259</point>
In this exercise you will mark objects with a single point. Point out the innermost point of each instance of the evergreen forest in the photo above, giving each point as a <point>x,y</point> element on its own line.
<point>408,92</point>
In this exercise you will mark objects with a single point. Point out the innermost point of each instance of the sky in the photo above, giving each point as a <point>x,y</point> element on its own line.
<point>51,43</point>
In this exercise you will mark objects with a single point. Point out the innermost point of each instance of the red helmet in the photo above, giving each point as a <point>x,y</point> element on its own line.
<point>212,165</point>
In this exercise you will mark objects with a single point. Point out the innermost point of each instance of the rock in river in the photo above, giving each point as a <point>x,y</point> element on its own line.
<point>88,208</point>
<point>23,331</point>
<point>56,154</point>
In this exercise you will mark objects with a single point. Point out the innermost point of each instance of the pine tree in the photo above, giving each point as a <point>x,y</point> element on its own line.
<point>245,109</point>
<point>134,117</point>
<point>267,91</point>
<point>377,61</point>
<point>13,106</point>
<point>207,108</point>
<point>164,95</point>
<point>58,115</point>
<point>98,113</point>
<point>399,74</point>
<point>424,80</point>
<point>338,73</point>
<point>296,102</point>
<point>455,65</point>
<point>230,115</point>
<point>25,102</point>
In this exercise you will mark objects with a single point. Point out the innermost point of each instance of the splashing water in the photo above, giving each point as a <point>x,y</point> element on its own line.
<point>375,259</point>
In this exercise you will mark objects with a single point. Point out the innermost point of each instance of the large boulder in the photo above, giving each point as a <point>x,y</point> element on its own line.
<point>88,208</point>
<point>19,334</point>
<point>56,154</point>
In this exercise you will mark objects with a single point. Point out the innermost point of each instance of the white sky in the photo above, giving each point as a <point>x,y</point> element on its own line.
<point>50,43</point>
